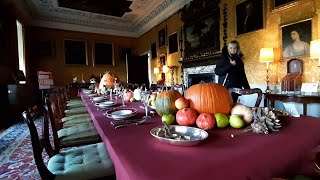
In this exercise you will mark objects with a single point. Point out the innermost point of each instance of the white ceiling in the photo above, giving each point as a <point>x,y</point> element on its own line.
<point>145,15</point>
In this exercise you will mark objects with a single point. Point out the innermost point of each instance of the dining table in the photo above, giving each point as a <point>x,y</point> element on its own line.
<point>137,155</point>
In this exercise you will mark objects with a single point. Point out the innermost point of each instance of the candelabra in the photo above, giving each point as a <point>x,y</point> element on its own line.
<point>172,70</point>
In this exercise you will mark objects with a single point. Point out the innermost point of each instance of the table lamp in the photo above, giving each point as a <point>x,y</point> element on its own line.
<point>267,56</point>
<point>315,50</point>
<point>156,72</point>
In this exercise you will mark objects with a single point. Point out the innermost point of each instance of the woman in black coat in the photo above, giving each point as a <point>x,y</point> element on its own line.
<point>230,69</point>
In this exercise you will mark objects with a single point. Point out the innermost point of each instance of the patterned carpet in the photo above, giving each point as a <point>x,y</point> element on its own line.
<point>16,156</point>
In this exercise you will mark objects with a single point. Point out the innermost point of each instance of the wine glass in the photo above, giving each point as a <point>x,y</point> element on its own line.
<point>144,99</point>
<point>121,93</point>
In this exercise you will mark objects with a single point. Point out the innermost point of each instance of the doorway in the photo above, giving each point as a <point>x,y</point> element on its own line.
<point>138,69</point>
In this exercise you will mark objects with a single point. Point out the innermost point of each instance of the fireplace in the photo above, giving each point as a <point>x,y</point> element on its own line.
<point>199,74</point>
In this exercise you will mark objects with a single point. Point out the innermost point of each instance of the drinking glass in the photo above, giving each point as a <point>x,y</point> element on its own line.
<point>121,93</point>
<point>144,99</point>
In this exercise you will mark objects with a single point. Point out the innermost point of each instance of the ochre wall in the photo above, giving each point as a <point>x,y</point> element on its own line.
<point>63,73</point>
<point>173,25</point>
<point>251,43</point>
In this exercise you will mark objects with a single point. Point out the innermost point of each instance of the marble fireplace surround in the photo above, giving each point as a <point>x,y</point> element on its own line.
<point>198,66</point>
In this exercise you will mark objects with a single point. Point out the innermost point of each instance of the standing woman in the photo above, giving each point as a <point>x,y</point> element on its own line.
<point>230,69</point>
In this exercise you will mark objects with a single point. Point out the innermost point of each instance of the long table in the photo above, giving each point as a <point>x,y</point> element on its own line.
<point>138,155</point>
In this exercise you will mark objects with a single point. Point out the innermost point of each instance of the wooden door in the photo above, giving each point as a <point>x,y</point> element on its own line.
<point>138,70</point>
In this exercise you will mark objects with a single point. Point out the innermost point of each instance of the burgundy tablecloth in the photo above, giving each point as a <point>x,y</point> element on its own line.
<point>138,155</point>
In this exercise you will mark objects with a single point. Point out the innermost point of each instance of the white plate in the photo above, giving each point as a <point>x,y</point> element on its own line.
<point>119,114</point>
<point>107,104</point>
<point>99,98</point>
<point>152,107</point>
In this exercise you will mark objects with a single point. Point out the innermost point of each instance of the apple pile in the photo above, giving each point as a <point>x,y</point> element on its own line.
<point>187,116</point>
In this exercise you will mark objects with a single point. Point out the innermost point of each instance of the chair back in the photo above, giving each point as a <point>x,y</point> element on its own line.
<point>38,144</point>
<point>179,87</point>
<point>248,92</point>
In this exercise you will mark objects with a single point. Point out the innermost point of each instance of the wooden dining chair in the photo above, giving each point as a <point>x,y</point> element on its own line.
<point>257,91</point>
<point>73,135</point>
<point>179,87</point>
<point>85,162</point>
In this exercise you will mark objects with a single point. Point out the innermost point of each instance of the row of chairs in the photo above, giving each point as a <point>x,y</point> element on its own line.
<point>71,126</point>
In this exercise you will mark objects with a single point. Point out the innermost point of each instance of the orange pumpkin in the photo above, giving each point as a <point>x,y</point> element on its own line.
<point>108,80</point>
<point>165,102</point>
<point>209,98</point>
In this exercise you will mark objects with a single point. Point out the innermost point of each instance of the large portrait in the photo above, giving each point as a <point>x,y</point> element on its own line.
<point>173,43</point>
<point>75,52</point>
<point>296,39</point>
<point>279,4</point>
<point>153,50</point>
<point>249,16</point>
<point>103,54</point>
<point>162,37</point>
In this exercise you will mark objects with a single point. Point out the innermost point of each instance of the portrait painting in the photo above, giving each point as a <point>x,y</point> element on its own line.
<point>162,37</point>
<point>75,52</point>
<point>249,16</point>
<point>296,39</point>
<point>279,3</point>
<point>103,53</point>
<point>173,43</point>
<point>153,50</point>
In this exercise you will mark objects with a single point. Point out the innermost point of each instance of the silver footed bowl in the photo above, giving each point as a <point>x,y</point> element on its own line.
<point>179,135</point>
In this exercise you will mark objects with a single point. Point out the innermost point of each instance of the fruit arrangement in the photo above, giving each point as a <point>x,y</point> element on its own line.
<point>209,105</point>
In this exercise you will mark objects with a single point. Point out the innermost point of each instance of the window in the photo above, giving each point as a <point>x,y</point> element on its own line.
<point>21,53</point>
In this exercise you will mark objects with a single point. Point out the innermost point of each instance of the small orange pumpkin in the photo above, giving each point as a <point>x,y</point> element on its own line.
<point>165,102</point>
<point>209,98</point>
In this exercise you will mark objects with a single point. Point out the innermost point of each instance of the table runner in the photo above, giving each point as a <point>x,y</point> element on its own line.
<point>138,155</point>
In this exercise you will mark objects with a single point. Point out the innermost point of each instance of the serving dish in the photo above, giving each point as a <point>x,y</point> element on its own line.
<point>121,113</point>
<point>180,135</point>
<point>98,98</point>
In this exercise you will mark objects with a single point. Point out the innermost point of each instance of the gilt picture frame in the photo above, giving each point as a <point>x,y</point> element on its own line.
<point>173,43</point>
<point>293,35</point>
<point>75,52</point>
<point>162,37</point>
<point>278,5</point>
<point>249,16</point>
<point>103,54</point>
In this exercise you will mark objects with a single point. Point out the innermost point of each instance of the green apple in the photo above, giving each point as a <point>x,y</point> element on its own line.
<point>153,103</point>
<point>153,97</point>
<point>168,119</point>
<point>236,121</point>
<point>222,120</point>
<point>132,99</point>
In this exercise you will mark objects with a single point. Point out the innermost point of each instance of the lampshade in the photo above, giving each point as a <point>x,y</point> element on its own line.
<point>164,69</point>
<point>266,55</point>
<point>315,49</point>
<point>156,70</point>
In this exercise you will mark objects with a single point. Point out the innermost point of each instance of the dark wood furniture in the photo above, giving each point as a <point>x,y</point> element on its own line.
<point>248,92</point>
<point>293,80</point>
<point>270,98</point>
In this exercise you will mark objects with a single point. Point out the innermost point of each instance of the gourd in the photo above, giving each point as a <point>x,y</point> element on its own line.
<point>205,121</point>
<point>244,111</point>
<point>209,98</point>
<point>165,102</point>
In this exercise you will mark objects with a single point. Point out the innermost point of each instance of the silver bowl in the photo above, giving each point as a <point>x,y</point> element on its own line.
<point>180,135</point>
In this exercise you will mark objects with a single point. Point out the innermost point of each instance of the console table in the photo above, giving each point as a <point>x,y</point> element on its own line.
<point>270,98</point>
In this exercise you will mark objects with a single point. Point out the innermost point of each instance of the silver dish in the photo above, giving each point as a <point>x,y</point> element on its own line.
<point>180,135</point>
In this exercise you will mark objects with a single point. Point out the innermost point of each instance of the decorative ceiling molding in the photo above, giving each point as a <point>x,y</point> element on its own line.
<point>145,15</point>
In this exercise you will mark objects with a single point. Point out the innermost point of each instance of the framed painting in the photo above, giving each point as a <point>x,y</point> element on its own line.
<point>282,4</point>
<point>249,16</point>
<point>162,37</point>
<point>75,52</point>
<point>153,50</point>
<point>173,43</point>
<point>296,39</point>
<point>44,48</point>
<point>103,54</point>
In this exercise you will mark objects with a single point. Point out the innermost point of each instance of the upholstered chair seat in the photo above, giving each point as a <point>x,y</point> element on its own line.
<point>86,162</point>
<point>76,119</point>
<point>78,134</point>
<point>74,111</point>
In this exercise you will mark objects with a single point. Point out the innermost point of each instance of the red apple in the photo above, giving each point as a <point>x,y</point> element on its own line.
<point>205,121</point>
<point>181,103</point>
<point>186,117</point>
<point>128,95</point>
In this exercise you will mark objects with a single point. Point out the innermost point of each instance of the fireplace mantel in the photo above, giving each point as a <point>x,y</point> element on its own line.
<point>200,61</point>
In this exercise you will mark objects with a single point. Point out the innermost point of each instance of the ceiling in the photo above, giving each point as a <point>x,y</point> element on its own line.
<point>129,18</point>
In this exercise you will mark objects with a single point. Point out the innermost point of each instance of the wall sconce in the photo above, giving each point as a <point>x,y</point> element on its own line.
<point>156,70</point>
<point>172,70</point>
<point>165,69</point>
<point>267,56</point>
<point>315,50</point>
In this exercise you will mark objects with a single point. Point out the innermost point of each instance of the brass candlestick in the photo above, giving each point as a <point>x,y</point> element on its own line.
<point>172,70</point>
